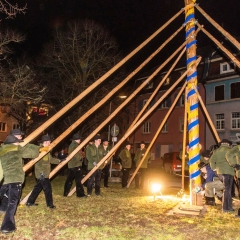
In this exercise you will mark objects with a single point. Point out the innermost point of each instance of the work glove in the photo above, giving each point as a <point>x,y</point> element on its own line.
<point>95,164</point>
<point>237,167</point>
<point>44,149</point>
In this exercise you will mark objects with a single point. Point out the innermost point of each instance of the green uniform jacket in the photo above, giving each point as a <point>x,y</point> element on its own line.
<point>126,158</point>
<point>76,160</point>
<point>105,152</point>
<point>139,155</point>
<point>94,154</point>
<point>44,165</point>
<point>11,160</point>
<point>218,161</point>
<point>233,158</point>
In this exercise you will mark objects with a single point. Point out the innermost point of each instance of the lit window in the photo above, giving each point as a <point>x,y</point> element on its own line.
<point>220,121</point>
<point>144,102</point>
<point>147,127</point>
<point>3,127</point>
<point>226,67</point>
<point>235,92</point>
<point>219,93</point>
<point>167,81</point>
<point>236,120</point>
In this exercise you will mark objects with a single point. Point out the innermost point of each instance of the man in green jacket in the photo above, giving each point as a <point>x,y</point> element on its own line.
<point>42,171</point>
<point>105,148</point>
<point>126,158</point>
<point>224,171</point>
<point>74,169</point>
<point>143,168</point>
<point>94,155</point>
<point>11,155</point>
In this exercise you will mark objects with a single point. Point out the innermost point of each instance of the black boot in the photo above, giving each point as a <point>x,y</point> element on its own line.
<point>210,201</point>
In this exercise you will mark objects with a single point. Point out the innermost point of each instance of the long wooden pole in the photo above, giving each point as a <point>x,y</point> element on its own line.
<point>157,133</point>
<point>138,123</point>
<point>95,84</point>
<point>208,117</point>
<point>59,166</point>
<point>230,55</point>
<point>219,28</point>
<point>100,103</point>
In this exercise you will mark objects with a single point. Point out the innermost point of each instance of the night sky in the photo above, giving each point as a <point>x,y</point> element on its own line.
<point>129,21</point>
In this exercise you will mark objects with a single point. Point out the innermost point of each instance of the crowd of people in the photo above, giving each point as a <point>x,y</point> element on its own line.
<point>12,175</point>
<point>220,171</point>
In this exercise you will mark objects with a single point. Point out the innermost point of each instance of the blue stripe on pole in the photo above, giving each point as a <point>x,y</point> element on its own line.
<point>189,60</point>
<point>194,142</point>
<point>193,107</point>
<point>195,174</point>
<point>194,74</point>
<point>189,17</point>
<point>190,31</point>
<point>190,93</point>
<point>194,160</point>
<point>193,124</point>
<point>188,45</point>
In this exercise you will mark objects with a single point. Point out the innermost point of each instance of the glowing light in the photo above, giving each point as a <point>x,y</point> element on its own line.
<point>156,187</point>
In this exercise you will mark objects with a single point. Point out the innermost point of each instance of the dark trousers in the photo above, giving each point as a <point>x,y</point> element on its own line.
<point>45,185</point>
<point>74,173</point>
<point>227,190</point>
<point>106,174</point>
<point>4,197</point>
<point>14,194</point>
<point>96,177</point>
<point>140,177</point>
<point>125,176</point>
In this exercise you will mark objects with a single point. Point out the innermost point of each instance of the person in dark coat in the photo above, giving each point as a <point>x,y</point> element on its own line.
<point>42,171</point>
<point>126,159</point>
<point>74,169</point>
<point>140,176</point>
<point>224,171</point>
<point>105,148</point>
<point>11,155</point>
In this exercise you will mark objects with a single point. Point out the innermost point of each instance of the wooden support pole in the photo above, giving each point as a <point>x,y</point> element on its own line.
<point>137,124</point>
<point>107,97</point>
<point>208,117</point>
<point>230,55</point>
<point>157,133</point>
<point>95,84</point>
<point>219,28</point>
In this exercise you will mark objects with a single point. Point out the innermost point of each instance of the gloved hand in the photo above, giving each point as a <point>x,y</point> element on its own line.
<point>237,167</point>
<point>44,149</point>
<point>41,177</point>
<point>95,164</point>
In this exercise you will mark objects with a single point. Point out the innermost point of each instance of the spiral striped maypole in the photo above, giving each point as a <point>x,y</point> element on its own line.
<point>192,99</point>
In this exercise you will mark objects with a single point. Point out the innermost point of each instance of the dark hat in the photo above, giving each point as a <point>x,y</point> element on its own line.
<point>105,140</point>
<point>12,139</point>
<point>202,164</point>
<point>127,143</point>
<point>45,138</point>
<point>225,141</point>
<point>16,131</point>
<point>96,137</point>
<point>142,142</point>
<point>206,153</point>
<point>76,137</point>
